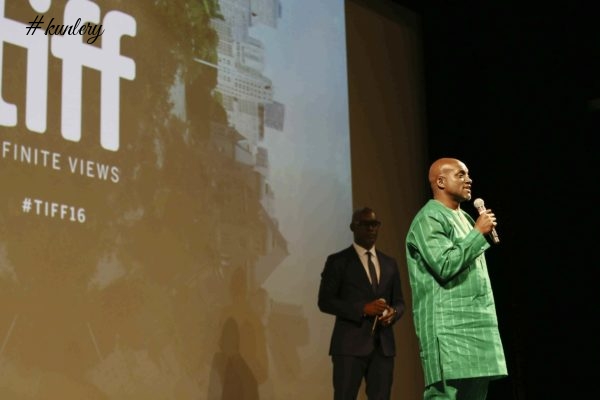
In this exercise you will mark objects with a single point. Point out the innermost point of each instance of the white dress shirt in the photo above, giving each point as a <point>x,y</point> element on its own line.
<point>362,254</point>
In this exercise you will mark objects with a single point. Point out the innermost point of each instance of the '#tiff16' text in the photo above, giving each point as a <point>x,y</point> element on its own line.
<point>51,209</point>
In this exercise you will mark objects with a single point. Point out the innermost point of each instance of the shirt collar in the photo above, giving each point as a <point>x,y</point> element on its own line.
<point>361,250</point>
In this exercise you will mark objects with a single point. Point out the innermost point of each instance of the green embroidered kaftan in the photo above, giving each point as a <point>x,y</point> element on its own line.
<point>453,304</point>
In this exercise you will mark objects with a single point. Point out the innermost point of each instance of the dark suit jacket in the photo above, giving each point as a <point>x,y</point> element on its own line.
<point>345,289</point>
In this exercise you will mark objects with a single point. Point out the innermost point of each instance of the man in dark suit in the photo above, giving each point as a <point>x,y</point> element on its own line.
<point>361,287</point>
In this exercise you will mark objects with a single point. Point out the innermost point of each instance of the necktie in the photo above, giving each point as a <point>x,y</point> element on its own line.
<point>372,271</point>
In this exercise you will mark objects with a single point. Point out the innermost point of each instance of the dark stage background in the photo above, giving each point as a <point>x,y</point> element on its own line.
<point>514,92</point>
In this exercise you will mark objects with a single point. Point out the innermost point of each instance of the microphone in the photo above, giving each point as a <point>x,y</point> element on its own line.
<point>480,206</point>
<point>377,318</point>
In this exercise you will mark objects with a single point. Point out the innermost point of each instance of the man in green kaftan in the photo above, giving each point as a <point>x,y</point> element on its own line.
<point>453,304</point>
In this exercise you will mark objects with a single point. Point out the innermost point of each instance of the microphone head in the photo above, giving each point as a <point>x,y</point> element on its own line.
<point>478,203</point>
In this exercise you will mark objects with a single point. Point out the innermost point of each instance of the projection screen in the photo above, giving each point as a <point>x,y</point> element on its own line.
<point>173,175</point>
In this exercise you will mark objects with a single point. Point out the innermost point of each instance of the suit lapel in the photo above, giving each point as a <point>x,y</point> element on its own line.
<point>384,271</point>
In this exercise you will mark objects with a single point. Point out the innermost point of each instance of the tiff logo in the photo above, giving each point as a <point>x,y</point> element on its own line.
<point>75,54</point>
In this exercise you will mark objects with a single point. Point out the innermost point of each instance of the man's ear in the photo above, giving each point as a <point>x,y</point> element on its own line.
<point>352,226</point>
<point>440,181</point>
